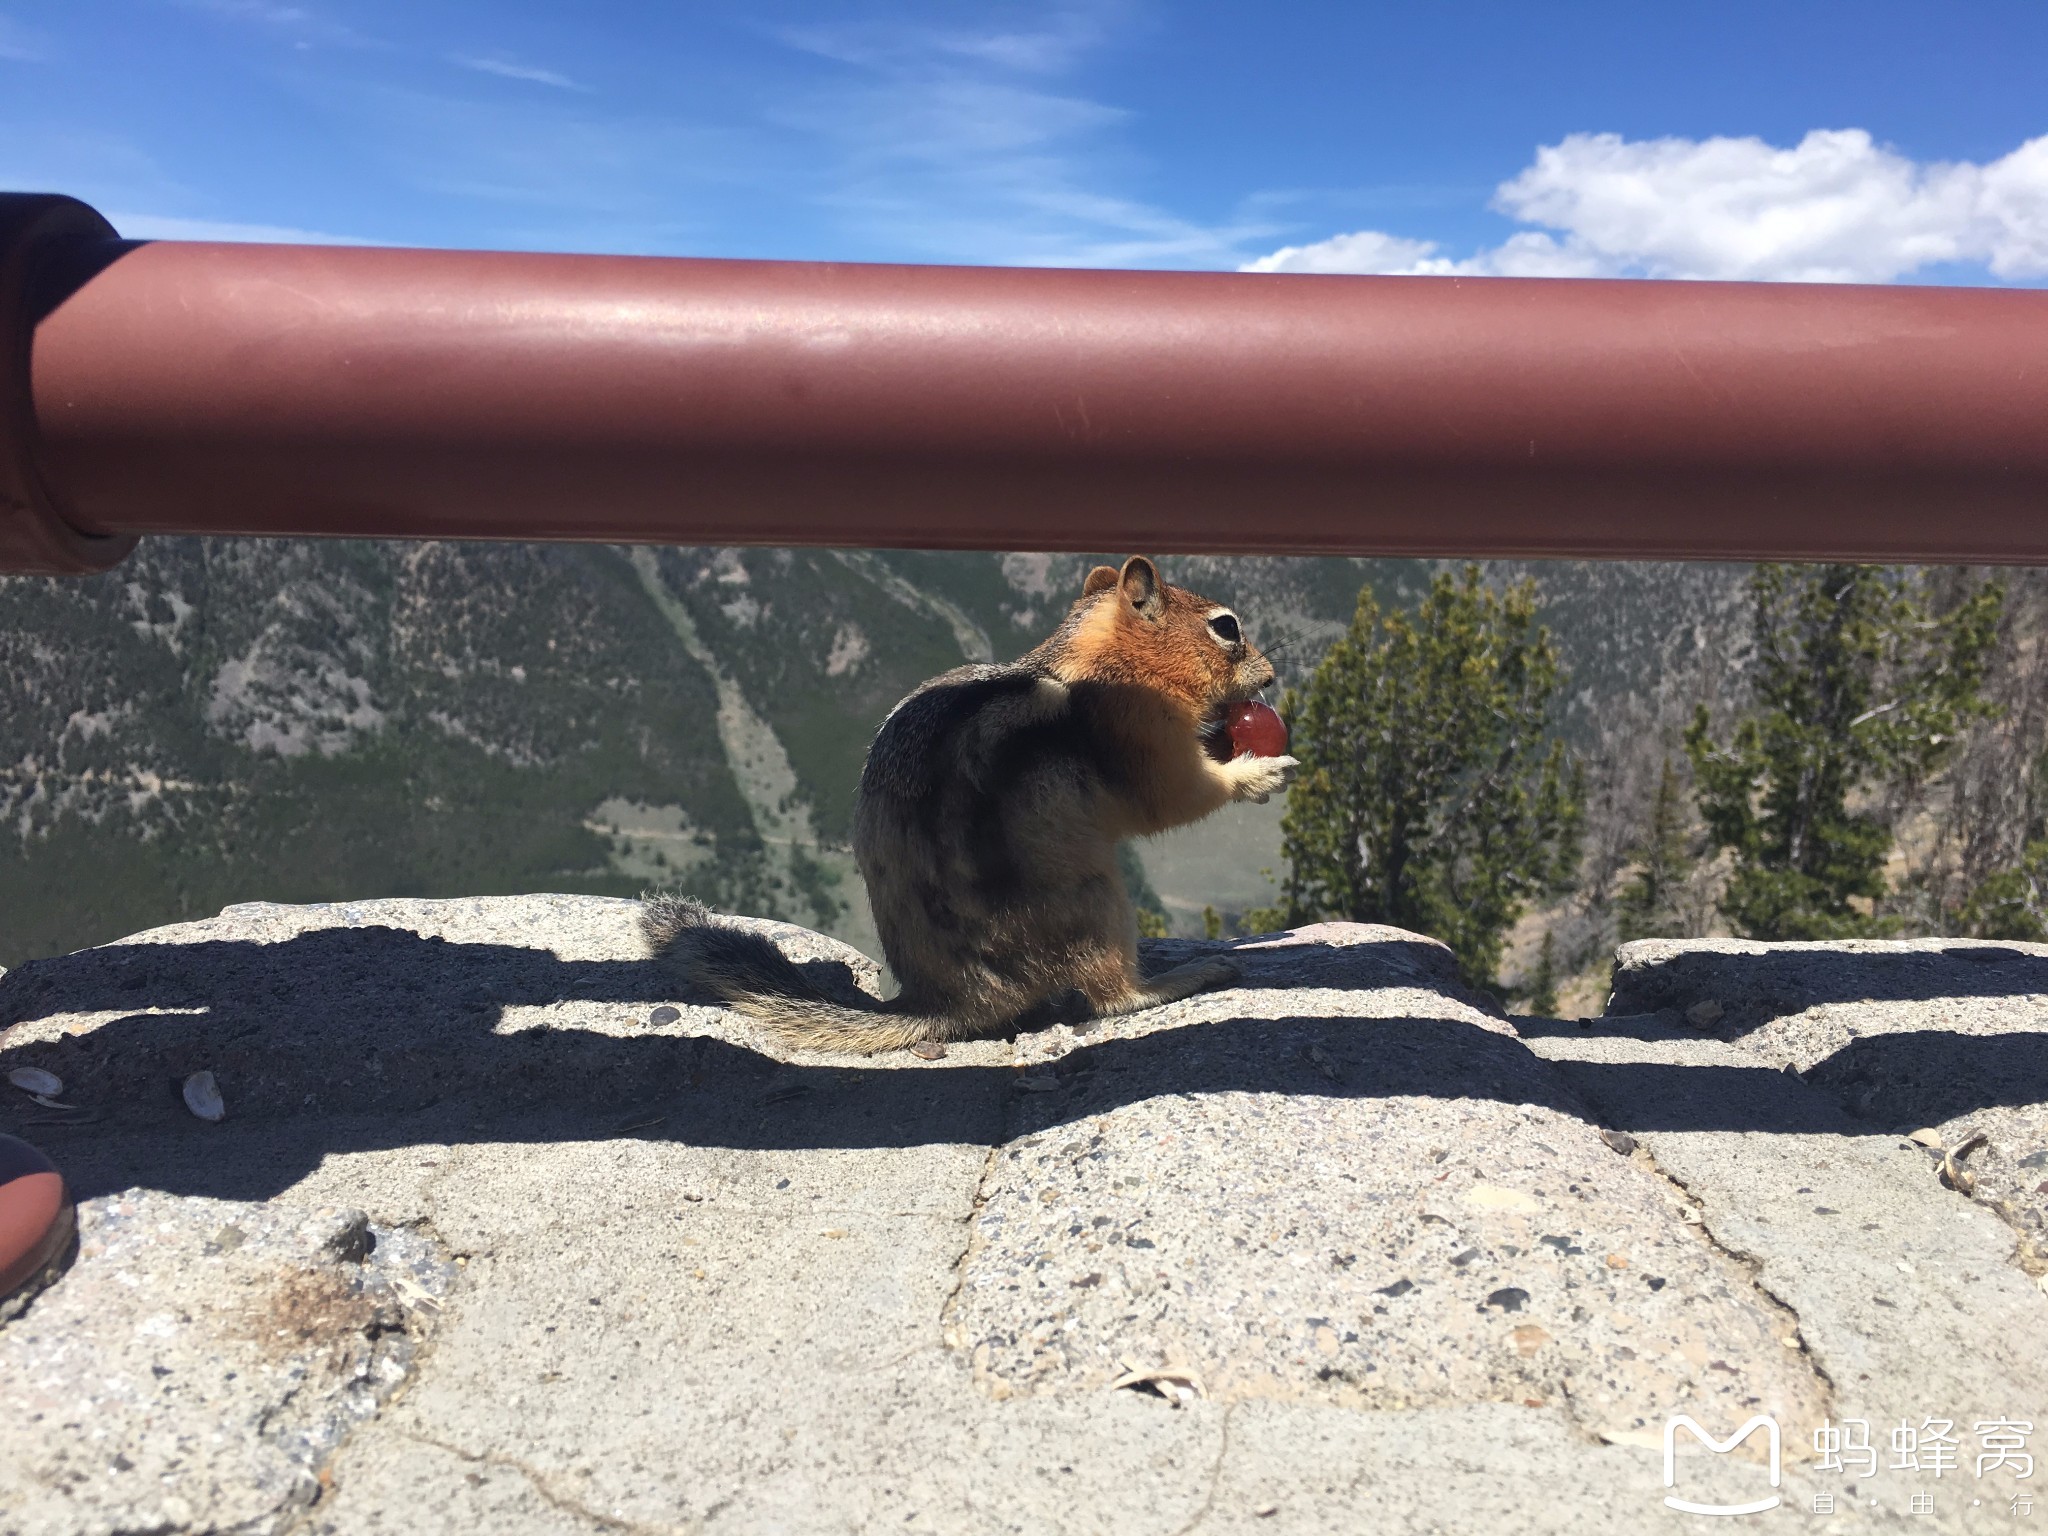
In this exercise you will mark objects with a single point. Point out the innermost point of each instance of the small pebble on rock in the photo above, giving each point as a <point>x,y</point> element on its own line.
<point>35,1081</point>
<point>202,1097</point>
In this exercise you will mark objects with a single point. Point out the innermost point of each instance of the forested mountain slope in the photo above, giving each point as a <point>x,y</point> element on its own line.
<point>229,720</point>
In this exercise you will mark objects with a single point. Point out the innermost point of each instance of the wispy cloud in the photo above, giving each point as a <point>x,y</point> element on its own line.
<point>556,170</point>
<point>1836,207</point>
<point>150,226</point>
<point>1065,38</point>
<point>511,70</point>
<point>19,44</point>
<point>254,10</point>
<point>961,144</point>
<point>298,24</point>
<point>123,180</point>
<point>106,169</point>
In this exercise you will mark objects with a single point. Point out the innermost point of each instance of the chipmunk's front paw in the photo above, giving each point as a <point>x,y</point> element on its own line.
<point>1257,778</point>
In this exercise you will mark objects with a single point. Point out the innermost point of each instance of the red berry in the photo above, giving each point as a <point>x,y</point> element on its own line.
<point>1257,729</point>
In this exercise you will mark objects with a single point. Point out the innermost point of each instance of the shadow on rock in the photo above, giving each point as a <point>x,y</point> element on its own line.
<point>1928,1076</point>
<point>349,1039</point>
<point>1749,988</point>
<point>1875,1086</point>
<point>355,1039</point>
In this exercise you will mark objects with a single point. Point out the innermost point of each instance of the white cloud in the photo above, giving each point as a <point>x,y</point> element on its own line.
<point>149,226</point>
<point>509,70</point>
<point>1368,250</point>
<point>2013,203</point>
<point>1836,207</point>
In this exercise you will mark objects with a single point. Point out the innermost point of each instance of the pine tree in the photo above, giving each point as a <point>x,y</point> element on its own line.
<point>2012,903</point>
<point>1543,985</point>
<point>1861,692</point>
<point>1432,794</point>
<point>1648,907</point>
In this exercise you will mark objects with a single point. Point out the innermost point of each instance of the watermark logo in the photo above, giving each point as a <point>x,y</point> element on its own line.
<point>1720,1448</point>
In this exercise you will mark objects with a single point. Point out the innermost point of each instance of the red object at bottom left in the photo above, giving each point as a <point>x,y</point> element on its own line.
<point>37,1220</point>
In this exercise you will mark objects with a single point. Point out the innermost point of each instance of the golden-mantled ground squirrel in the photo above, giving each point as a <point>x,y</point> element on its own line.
<point>987,824</point>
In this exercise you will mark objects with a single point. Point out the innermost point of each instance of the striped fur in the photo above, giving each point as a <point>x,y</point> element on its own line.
<point>987,822</point>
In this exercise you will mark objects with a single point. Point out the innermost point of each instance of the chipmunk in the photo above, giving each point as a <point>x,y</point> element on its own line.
<point>987,822</point>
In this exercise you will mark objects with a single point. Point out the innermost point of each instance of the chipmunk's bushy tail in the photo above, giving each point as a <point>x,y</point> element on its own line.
<point>748,973</point>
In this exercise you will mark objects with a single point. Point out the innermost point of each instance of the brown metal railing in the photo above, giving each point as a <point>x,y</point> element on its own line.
<point>286,390</point>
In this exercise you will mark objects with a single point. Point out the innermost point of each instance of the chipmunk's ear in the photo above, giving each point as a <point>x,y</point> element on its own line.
<point>1143,589</point>
<point>1101,579</point>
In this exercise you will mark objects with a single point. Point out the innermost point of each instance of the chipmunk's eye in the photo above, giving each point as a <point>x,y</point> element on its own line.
<point>1224,627</point>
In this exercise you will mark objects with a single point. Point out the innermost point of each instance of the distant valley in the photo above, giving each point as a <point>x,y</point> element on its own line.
<point>228,720</point>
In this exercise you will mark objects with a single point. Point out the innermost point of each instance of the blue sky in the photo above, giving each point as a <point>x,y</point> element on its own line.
<point>1864,141</point>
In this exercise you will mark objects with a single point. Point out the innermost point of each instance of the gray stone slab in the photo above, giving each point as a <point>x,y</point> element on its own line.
<point>1773,1084</point>
<point>702,1285</point>
<point>201,1361</point>
<point>381,1006</point>
<point>1941,1035</point>
<point>1382,1200</point>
